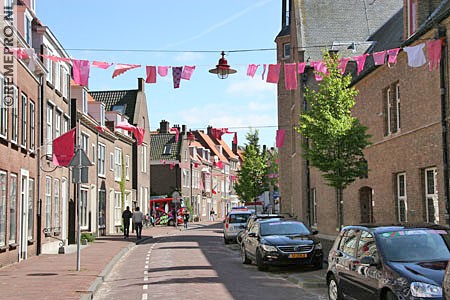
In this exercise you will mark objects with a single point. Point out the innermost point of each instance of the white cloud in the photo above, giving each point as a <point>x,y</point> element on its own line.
<point>253,87</point>
<point>188,58</point>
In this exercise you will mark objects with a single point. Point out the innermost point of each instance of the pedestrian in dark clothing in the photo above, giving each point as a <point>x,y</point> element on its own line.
<point>186,219</point>
<point>175,217</point>
<point>137,218</point>
<point>126,215</point>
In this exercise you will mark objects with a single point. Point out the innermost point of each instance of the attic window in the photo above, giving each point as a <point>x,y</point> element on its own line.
<point>167,149</point>
<point>119,108</point>
<point>286,50</point>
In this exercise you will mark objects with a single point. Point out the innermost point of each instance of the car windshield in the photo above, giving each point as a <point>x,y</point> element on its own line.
<point>283,228</point>
<point>238,218</point>
<point>415,245</point>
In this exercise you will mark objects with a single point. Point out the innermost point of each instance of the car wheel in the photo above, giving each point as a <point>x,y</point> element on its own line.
<point>244,258</point>
<point>390,296</point>
<point>334,293</point>
<point>171,223</point>
<point>260,262</point>
<point>226,241</point>
<point>318,265</point>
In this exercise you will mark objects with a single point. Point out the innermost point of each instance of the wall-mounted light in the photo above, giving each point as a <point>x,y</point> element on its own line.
<point>222,69</point>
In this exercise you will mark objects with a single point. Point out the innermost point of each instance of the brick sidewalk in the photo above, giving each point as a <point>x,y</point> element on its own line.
<point>55,277</point>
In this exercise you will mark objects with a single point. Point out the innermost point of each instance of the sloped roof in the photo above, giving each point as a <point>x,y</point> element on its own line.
<point>227,149</point>
<point>157,143</point>
<point>322,23</point>
<point>115,99</point>
<point>211,145</point>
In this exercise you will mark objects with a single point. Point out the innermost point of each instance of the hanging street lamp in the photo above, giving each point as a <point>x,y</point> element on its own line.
<point>223,68</point>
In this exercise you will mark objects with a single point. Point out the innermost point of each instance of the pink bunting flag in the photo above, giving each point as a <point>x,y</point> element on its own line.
<point>125,126</point>
<point>151,74</point>
<point>80,71</point>
<point>101,64</point>
<point>273,73</point>
<point>251,70</point>
<point>392,55</point>
<point>163,71</point>
<point>290,76</point>
<point>280,137</point>
<point>139,134</point>
<point>122,68</point>
<point>187,72</point>
<point>177,133</point>
<point>434,49</point>
<point>379,58</point>
<point>320,69</point>
<point>172,165</point>
<point>264,71</point>
<point>176,75</point>
<point>360,61</point>
<point>63,148</point>
<point>342,64</point>
<point>20,53</point>
<point>56,58</point>
<point>301,67</point>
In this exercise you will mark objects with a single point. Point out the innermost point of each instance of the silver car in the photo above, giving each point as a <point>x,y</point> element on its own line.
<point>234,223</point>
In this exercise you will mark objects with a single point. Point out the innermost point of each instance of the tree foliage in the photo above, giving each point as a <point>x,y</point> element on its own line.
<point>335,139</point>
<point>251,176</point>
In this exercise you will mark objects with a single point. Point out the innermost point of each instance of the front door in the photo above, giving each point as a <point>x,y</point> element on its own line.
<point>64,194</point>
<point>365,200</point>
<point>23,213</point>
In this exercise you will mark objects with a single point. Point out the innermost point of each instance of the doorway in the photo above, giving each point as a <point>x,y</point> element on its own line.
<point>366,206</point>
<point>23,213</point>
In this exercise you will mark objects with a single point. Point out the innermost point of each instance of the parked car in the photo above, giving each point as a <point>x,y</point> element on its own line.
<point>255,218</point>
<point>234,223</point>
<point>281,242</point>
<point>446,283</point>
<point>388,262</point>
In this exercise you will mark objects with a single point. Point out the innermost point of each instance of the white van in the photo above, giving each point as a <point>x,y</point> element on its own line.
<point>234,223</point>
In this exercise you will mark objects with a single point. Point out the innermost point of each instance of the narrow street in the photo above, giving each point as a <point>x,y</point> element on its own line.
<point>195,264</point>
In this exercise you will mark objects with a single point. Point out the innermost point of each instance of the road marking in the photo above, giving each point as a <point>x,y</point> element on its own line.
<point>145,272</point>
<point>146,267</point>
<point>145,278</point>
<point>144,296</point>
<point>145,287</point>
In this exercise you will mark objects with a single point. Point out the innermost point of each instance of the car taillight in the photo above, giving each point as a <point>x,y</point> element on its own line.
<point>226,223</point>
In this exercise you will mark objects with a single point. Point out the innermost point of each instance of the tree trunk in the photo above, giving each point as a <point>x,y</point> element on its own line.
<point>339,208</point>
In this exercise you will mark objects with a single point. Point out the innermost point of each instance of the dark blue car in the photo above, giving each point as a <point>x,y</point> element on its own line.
<point>388,262</point>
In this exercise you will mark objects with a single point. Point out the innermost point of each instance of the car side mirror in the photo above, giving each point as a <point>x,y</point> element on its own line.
<point>252,234</point>
<point>368,261</point>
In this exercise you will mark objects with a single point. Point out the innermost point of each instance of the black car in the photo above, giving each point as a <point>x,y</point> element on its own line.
<point>251,220</point>
<point>388,262</point>
<point>281,242</point>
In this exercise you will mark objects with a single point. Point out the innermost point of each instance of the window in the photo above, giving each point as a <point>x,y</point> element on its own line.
<point>56,205</point>
<point>127,167</point>
<point>84,208</point>
<point>314,207</point>
<point>12,208</point>
<point>101,159</point>
<point>49,127</point>
<point>387,112</point>
<point>2,208</point>
<point>85,143</point>
<point>286,50</point>
<point>367,246</point>
<point>117,164</point>
<point>411,6</point>
<point>117,208</point>
<point>348,243</point>
<point>14,116</point>
<point>144,159</point>
<point>401,198</point>
<point>31,209</point>
<point>102,114</point>
<point>93,154</point>
<point>84,101</point>
<point>28,31</point>
<point>185,178</point>
<point>49,66</point>
<point>397,108</point>
<point>24,127</point>
<point>65,80</point>
<point>167,149</point>
<point>431,196</point>
<point>57,76</point>
<point>32,126</point>
<point>3,112</point>
<point>111,161</point>
<point>48,202</point>
<point>65,124</point>
<point>58,119</point>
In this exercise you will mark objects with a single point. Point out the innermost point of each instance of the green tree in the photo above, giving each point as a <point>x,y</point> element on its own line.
<point>334,139</point>
<point>252,175</point>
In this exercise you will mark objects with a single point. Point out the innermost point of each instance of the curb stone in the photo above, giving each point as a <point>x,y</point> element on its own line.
<point>301,282</point>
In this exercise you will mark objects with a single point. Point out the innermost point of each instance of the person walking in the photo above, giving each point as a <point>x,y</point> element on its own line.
<point>186,219</point>
<point>211,214</point>
<point>137,218</point>
<point>126,215</point>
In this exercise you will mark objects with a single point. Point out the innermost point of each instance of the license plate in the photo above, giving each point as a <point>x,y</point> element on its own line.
<point>298,255</point>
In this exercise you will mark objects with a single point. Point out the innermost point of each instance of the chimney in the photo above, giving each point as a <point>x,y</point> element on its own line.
<point>209,130</point>
<point>234,147</point>
<point>141,84</point>
<point>183,129</point>
<point>416,12</point>
<point>163,126</point>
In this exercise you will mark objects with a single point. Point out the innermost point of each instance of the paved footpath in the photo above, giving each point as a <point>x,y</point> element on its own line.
<point>55,276</point>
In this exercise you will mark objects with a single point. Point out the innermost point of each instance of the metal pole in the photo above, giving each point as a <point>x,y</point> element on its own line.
<point>97,204</point>
<point>190,188</point>
<point>79,201</point>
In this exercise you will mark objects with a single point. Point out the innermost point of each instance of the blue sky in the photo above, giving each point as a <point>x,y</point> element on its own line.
<point>238,103</point>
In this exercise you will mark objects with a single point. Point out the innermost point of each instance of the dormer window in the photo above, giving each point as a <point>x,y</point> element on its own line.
<point>286,50</point>
<point>167,149</point>
<point>84,101</point>
<point>412,12</point>
<point>27,27</point>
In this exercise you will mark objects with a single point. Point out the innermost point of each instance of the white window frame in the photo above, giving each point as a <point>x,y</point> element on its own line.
<point>57,76</point>
<point>24,129</point>
<point>49,66</point>
<point>144,158</point>
<point>93,159</point>
<point>85,143</point>
<point>101,156</point>
<point>58,119</point>
<point>111,161</point>
<point>49,127</point>
<point>84,206</point>
<point>402,198</point>
<point>28,19</point>
<point>48,202</point>
<point>65,82</point>
<point>117,164</point>
<point>15,116</point>
<point>286,50</point>
<point>32,126</point>
<point>397,106</point>
<point>411,10</point>
<point>13,209</point>
<point>66,120</point>
<point>431,196</point>
<point>56,204</point>
<point>388,112</point>
<point>127,167</point>
<point>117,208</point>
<point>84,101</point>
<point>30,209</point>
<point>3,196</point>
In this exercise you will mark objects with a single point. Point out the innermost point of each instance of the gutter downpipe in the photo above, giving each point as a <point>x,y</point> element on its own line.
<point>39,144</point>
<point>442,34</point>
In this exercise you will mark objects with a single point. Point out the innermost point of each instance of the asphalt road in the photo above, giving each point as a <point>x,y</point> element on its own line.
<point>195,264</point>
